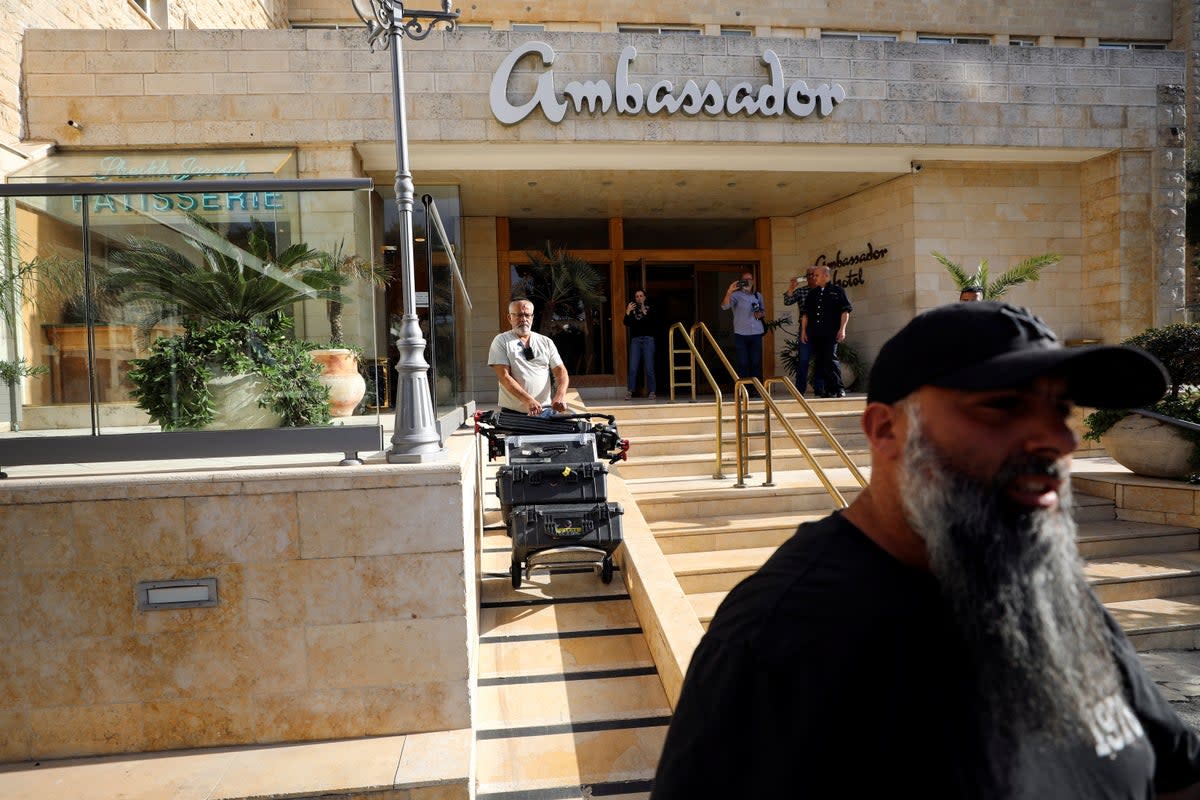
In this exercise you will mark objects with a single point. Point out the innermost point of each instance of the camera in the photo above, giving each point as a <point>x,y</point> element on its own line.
<point>742,284</point>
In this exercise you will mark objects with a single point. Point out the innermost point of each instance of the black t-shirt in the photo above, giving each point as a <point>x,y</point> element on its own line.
<point>834,672</point>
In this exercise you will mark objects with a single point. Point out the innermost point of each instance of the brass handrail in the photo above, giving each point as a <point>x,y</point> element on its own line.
<point>742,405</point>
<point>697,359</point>
<point>820,424</point>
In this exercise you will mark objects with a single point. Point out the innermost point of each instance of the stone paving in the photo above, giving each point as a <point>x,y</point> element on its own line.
<point>1177,673</point>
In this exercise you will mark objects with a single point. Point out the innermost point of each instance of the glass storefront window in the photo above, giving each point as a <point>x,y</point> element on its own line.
<point>145,307</point>
<point>443,309</point>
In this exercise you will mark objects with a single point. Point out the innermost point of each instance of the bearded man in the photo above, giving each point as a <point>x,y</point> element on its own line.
<point>523,361</point>
<point>938,639</point>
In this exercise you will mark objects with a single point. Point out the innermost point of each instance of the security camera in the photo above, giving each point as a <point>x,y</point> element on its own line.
<point>74,124</point>
<point>917,166</point>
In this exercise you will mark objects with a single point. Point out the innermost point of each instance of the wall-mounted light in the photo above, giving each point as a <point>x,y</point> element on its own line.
<point>74,124</point>
<point>917,166</point>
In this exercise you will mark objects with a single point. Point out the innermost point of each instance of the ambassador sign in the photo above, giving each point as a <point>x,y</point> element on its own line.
<point>773,99</point>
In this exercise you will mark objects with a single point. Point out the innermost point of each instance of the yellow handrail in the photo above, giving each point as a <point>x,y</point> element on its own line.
<point>696,359</point>
<point>742,404</point>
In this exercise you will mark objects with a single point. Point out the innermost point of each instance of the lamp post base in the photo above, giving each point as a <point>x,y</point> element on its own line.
<point>415,438</point>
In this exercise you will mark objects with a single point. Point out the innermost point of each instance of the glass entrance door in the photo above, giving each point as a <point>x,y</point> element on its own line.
<point>688,293</point>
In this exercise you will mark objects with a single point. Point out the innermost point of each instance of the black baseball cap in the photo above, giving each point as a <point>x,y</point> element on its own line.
<point>988,345</point>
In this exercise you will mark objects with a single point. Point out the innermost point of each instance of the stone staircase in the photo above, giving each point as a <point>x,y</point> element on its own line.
<point>569,705</point>
<point>714,535</point>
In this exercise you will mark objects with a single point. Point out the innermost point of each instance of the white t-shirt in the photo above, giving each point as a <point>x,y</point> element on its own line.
<point>531,373</point>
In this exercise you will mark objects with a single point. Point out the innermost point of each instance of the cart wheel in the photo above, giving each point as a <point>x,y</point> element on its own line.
<point>515,572</point>
<point>606,570</point>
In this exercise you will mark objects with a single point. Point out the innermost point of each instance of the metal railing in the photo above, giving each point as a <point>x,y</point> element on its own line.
<point>741,391</point>
<point>694,360</point>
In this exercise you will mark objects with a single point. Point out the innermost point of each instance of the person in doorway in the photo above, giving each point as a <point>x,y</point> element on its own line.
<point>642,328</point>
<point>524,362</point>
<point>938,638</point>
<point>795,295</point>
<point>748,328</point>
<point>823,326</point>
<point>970,294</point>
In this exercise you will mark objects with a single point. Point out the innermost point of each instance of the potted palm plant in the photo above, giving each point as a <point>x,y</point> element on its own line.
<point>235,364</point>
<point>566,293</point>
<point>993,288</point>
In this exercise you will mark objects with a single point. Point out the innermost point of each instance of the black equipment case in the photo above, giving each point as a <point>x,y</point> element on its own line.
<point>554,488</point>
<point>555,448</point>
<point>528,484</point>
<point>567,533</point>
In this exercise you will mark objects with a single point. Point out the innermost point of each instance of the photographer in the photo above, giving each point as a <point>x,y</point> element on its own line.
<point>642,328</point>
<point>748,329</point>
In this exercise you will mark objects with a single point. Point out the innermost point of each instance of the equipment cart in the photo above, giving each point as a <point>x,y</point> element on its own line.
<point>553,490</point>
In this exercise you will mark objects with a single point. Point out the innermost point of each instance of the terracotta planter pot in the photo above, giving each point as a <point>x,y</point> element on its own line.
<point>1148,447</point>
<point>340,375</point>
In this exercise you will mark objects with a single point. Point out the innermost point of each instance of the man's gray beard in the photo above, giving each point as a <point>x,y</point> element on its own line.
<point>1017,595</point>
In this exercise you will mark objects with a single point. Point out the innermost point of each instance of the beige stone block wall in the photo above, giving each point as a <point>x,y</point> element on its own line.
<point>881,216</point>
<point>1004,213</point>
<point>121,18</point>
<point>1150,19</point>
<point>347,608</point>
<point>1118,245</point>
<point>968,212</point>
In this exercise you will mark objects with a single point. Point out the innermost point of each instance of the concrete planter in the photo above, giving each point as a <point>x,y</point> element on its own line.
<point>1149,447</point>
<point>235,398</point>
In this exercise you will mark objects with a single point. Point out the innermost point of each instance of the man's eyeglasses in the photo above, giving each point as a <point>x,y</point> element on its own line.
<point>520,315</point>
<point>528,352</point>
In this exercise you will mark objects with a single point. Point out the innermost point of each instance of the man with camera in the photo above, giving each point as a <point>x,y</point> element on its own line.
<point>642,328</point>
<point>748,329</point>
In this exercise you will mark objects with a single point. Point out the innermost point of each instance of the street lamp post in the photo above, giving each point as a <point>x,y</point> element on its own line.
<point>415,437</point>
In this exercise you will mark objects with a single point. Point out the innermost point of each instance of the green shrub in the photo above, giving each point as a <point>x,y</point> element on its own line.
<point>1177,346</point>
<point>170,384</point>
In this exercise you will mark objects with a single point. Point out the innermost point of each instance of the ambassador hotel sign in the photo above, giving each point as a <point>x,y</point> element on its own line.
<point>775,98</point>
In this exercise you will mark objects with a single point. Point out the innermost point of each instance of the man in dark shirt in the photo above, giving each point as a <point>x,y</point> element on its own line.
<point>938,639</point>
<point>826,312</point>
<point>795,295</point>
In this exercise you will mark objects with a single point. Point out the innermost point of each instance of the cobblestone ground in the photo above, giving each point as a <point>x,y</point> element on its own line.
<point>1177,673</point>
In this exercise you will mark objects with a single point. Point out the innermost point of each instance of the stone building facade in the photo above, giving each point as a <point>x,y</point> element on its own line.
<point>998,131</point>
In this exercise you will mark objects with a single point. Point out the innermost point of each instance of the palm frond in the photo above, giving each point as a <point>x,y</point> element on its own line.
<point>1028,270</point>
<point>960,276</point>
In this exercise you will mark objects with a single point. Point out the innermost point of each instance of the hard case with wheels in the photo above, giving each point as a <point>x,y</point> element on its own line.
<point>561,534</point>
<point>530,484</point>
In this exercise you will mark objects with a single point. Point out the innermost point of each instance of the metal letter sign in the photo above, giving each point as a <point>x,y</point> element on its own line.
<point>772,99</point>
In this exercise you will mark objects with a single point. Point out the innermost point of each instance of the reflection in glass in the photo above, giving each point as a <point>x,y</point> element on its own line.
<point>162,310</point>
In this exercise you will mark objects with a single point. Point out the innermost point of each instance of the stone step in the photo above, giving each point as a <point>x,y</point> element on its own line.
<point>598,759</point>
<point>741,502</point>
<point>785,458</point>
<point>1142,577</point>
<point>730,533</point>
<point>1113,537</point>
<point>616,695</point>
<point>717,570</point>
<point>840,423</point>
<point>1160,623</point>
<point>705,444</point>
<point>664,408</point>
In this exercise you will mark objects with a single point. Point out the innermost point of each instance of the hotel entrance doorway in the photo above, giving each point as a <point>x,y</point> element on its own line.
<point>687,293</point>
